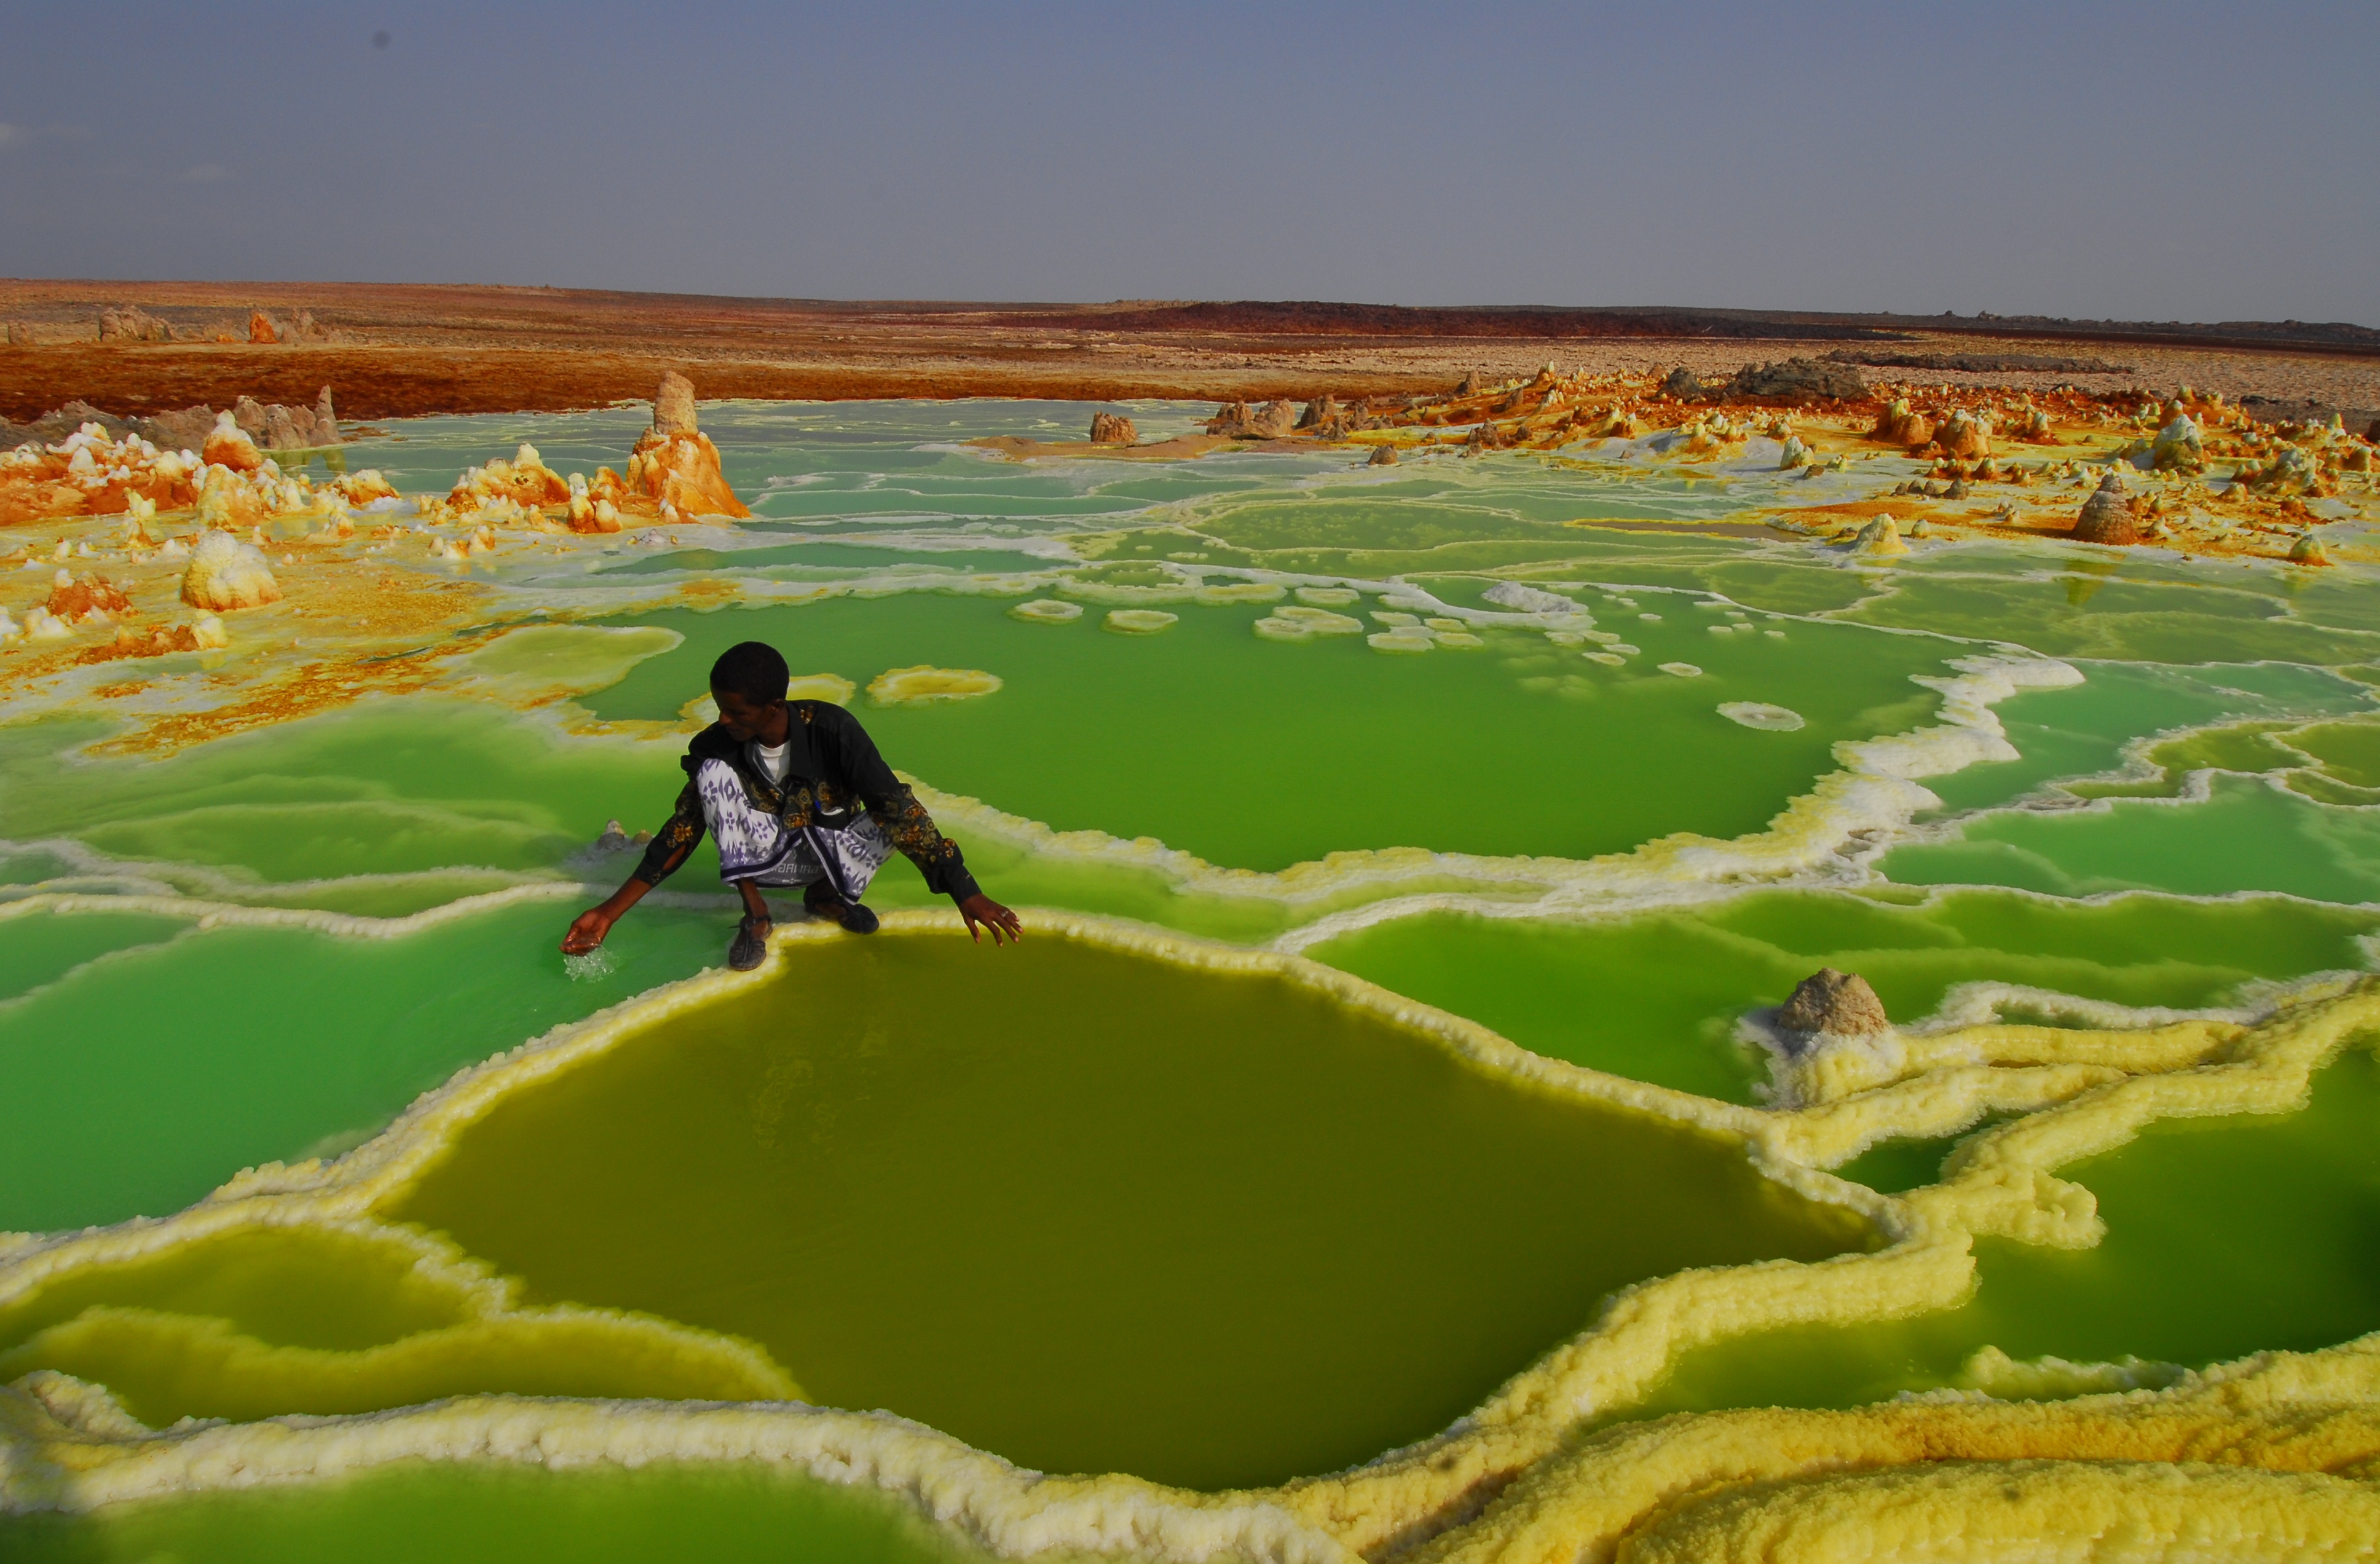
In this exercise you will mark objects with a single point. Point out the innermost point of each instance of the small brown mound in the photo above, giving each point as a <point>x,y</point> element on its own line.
<point>1841,1004</point>
<point>2107,515</point>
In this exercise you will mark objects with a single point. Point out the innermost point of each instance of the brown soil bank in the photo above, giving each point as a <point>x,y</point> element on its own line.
<point>394,351</point>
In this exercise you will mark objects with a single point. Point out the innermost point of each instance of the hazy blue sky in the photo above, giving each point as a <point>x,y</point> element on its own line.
<point>2157,162</point>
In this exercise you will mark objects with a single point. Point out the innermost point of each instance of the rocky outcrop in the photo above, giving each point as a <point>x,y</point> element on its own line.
<point>1382,455</point>
<point>1468,385</point>
<point>1837,1004</point>
<point>226,574</point>
<point>2107,515</point>
<point>1978,363</point>
<point>130,322</point>
<point>19,335</point>
<point>2308,550</point>
<point>1799,380</point>
<point>1113,428</point>
<point>1322,412</point>
<point>674,468</point>
<point>183,431</point>
<point>1963,436</point>
<point>278,427</point>
<point>1684,385</point>
<point>1899,425</point>
<point>673,406</point>
<point>261,327</point>
<point>1274,420</point>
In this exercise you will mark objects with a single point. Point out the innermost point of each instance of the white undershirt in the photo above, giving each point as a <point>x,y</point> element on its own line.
<point>773,760</point>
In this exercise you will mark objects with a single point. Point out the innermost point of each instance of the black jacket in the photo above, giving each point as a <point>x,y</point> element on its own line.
<point>834,774</point>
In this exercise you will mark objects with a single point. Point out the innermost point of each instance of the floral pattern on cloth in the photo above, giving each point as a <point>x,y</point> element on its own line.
<point>759,846</point>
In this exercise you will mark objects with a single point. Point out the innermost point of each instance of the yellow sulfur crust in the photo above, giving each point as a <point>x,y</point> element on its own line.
<point>1505,1483</point>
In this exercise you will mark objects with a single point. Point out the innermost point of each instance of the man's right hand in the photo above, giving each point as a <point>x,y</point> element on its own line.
<point>588,930</point>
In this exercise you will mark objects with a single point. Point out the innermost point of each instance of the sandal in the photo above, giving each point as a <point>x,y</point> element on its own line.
<point>854,918</point>
<point>751,946</point>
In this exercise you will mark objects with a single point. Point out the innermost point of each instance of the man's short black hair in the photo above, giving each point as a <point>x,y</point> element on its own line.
<point>753,669</point>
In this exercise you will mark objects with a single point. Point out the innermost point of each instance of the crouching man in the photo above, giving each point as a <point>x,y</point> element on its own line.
<point>797,795</point>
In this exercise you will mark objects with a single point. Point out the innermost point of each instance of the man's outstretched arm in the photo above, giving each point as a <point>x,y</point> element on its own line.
<point>904,820</point>
<point>669,848</point>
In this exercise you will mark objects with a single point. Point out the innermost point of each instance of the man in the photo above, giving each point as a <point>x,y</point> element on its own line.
<point>797,795</point>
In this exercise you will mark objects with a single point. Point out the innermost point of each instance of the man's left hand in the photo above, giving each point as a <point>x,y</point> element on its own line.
<point>981,913</point>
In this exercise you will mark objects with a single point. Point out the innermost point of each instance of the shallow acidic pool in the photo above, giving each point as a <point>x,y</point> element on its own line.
<point>1091,1209</point>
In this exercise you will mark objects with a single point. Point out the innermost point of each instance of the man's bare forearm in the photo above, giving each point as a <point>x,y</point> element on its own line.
<point>627,896</point>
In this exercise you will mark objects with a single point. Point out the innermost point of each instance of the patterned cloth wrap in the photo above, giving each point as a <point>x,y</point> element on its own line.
<point>756,845</point>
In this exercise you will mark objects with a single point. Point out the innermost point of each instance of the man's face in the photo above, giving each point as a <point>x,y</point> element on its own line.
<point>744,720</point>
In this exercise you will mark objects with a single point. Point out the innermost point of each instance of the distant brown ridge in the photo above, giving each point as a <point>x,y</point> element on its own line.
<point>392,351</point>
<point>1318,318</point>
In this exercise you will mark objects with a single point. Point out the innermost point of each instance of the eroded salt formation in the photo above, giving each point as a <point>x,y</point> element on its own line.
<point>672,475</point>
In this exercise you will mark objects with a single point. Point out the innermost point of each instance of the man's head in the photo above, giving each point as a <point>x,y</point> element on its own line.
<point>748,681</point>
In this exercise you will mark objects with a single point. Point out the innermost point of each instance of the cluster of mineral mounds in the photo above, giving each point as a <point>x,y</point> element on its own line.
<point>674,475</point>
<point>1274,420</point>
<point>2171,453</point>
<point>523,484</point>
<point>271,426</point>
<point>227,487</point>
<point>89,474</point>
<point>130,322</point>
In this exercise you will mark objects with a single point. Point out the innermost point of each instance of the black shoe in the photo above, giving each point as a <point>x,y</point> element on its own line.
<point>854,918</point>
<point>750,948</point>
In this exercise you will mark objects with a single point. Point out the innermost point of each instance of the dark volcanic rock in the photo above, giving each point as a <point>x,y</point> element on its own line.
<point>1799,380</point>
<point>52,427</point>
<point>2275,410</point>
<point>183,431</point>
<point>1841,1004</point>
<point>1978,363</point>
<point>1684,385</point>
